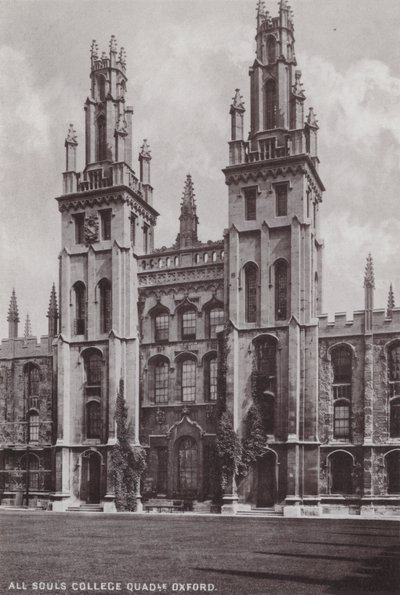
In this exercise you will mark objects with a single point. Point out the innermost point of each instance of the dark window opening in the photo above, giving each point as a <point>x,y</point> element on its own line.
<point>188,375</point>
<point>189,324</point>
<point>395,418</point>
<point>266,365</point>
<point>281,193</point>
<point>93,421</point>
<point>79,220</point>
<point>133,228</point>
<point>94,367</point>
<point>105,217</point>
<point>281,290</point>
<point>187,467</point>
<point>145,238</point>
<point>101,139</point>
<point>250,198</point>
<point>33,422</point>
<point>80,308</point>
<point>271,45</point>
<point>393,472</point>
<point>216,319</point>
<point>33,381</point>
<point>105,306</point>
<point>251,292</point>
<point>270,104</point>
<point>161,327</point>
<point>341,467</point>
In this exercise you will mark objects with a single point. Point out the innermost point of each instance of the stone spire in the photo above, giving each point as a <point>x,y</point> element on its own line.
<point>28,327</point>
<point>70,149</point>
<point>13,317</point>
<point>390,303</point>
<point>187,235</point>
<point>236,112</point>
<point>369,286</point>
<point>52,315</point>
<point>144,163</point>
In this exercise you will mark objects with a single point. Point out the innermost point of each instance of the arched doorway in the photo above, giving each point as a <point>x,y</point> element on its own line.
<point>90,478</point>
<point>266,480</point>
<point>187,467</point>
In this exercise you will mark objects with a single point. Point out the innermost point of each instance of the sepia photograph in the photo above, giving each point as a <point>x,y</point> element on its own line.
<point>200,259</point>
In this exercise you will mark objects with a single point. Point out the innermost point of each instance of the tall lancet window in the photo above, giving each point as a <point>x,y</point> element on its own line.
<point>101,144</point>
<point>281,290</point>
<point>80,308</point>
<point>105,305</point>
<point>250,274</point>
<point>270,104</point>
<point>271,49</point>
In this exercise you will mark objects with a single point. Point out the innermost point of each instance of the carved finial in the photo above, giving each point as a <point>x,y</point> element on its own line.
<point>13,315</point>
<point>237,101</point>
<point>390,303</point>
<point>71,136</point>
<point>104,55</point>
<point>113,44</point>
<point>188,192</point>
<point>145,149</point>
<point>369,277</point>
<point>312,118</point>
<point>52,311</point>
<point>94,50</point>
<point>28,327</point>
<point>298,90</point>
<point>260,8</point>
<point>122,57</point>
<point>283,5</point>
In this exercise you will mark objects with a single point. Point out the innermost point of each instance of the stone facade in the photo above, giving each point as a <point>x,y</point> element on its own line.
<point>199,330</point>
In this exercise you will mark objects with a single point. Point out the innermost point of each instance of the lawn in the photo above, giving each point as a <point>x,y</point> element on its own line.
<point>233,556</point>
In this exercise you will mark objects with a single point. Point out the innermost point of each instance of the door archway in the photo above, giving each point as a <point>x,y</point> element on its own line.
<point>187,467</point>
<point>90,477</point>
<point>266,480</point>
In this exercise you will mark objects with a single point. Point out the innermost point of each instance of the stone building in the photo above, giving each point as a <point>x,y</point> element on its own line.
<point>314,404</point>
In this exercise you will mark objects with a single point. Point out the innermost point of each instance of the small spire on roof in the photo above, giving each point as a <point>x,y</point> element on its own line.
<point>369,277</point>
<point>28,327</point>
<point>390,303</point>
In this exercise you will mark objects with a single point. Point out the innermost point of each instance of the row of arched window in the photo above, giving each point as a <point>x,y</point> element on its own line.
<point>80,299</point>
<point>187,322</point>
<point>341,469</point>
<point>252,283</point>
<point>168,261</point>
<point>185,382</point>
<point>342,365</point>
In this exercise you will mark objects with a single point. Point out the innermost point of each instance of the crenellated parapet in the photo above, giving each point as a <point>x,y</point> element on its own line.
<point>25,347</point>
<point>341,325</point>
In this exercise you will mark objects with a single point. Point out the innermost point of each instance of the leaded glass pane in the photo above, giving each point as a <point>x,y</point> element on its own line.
<point>161,323</point>
<point>93,420</point>
<point>216,319</point>
<point>213,368</point>
<point>161,374</point>
<point>189,324</point>
<point>251,293</point>
<point>341,421</point>
<point>188,380</point>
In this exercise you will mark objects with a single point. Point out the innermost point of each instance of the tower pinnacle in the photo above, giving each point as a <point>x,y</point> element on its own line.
<point>52,315</point>
<point>369,277</point>
<point>13,317</point>
<point>28,327</point>
<point>187,235</point>
<point>390,303</point>
<point>369,286</point>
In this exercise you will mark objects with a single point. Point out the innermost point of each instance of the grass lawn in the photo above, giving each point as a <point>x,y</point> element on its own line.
<point>239,556</point>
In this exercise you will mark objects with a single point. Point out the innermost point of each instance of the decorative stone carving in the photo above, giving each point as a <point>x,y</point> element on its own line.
<point>160,416</point>
<point>91,227</point>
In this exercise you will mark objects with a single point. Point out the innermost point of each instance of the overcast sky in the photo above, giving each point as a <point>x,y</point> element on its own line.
<point>185,58</point>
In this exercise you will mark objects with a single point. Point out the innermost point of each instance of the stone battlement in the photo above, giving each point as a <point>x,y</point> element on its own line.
<point>24,347</point>
<point>342,325</point>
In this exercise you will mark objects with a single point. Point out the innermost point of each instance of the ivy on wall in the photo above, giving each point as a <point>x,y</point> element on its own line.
<point>128,462</point>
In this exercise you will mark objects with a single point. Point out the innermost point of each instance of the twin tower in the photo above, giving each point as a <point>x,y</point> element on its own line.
<point>270,294</point>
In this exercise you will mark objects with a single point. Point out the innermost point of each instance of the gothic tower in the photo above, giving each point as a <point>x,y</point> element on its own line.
<point>273,272</point>
<point>107,222</point>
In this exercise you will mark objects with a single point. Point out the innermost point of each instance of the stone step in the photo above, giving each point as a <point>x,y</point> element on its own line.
<point>261,512</point>
<point>85,508</point>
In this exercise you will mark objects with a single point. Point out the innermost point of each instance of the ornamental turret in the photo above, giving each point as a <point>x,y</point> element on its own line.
<point>13,317</point>
<point>187,236</point>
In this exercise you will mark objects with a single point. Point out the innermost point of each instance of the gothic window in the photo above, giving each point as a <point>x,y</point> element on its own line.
<point>341,358</point>
<point>395,418</point>
<point>251,293</point>
<point>267,409</point>
<point>281,290</point>
<point>145,238</point>
<point>188,380</point>
<point>133,228</point>
<point>341,470</point>
<point>101,87</point>
<point>105,306</point>
<point>33,381</point>
<point>392,461</point>
<point>187,466</point>
<point>93,368</point>
<point>250,198</point>
<point>266,365</point>
<point>215,319</point>
<point>80,308</point>
<point>105,218</point>
<point>162,470</point>
<point>210,378</point>
<point>93,420</point>
<point>31,462</point>
<point>281,192</point>
<point>33,426</point>
<point>271,49</point>
<point>176,261</point>
<point>161,327</point>
<point>79,220</point>
<point>188,324</point>
<point>161,380</point>
<point>270,104</point>
<point>341,419</point>
<point>101,143</point>
<point>394,369</point>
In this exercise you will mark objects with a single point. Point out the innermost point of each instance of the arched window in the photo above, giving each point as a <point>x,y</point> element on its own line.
<point>161,326</point>
<point>105,306</point>
<point>93,420</point>
<point>270,104</point>
<point>188,380</point>
<point>187,467</point>
<point>33,380</point>
<point>395,417</point>
<point>80,308</point>
<point>341,358</point>
<point>392,461</point>
<point>101,87</point>
<point>271,49</point>
<point>93,368</point>
<point>215,319</point>
<point>267,410</point>
<point>101,140</point>
<point>161,380</point>
<point>394,369</point>
<point>341,469</point>
<point>31,462</point>
<point>210,378</point>
<point>188,324</point>
<point>281,290</point>
<point>33,426</point>
<point>251,293</point>
<point>266,365</point>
